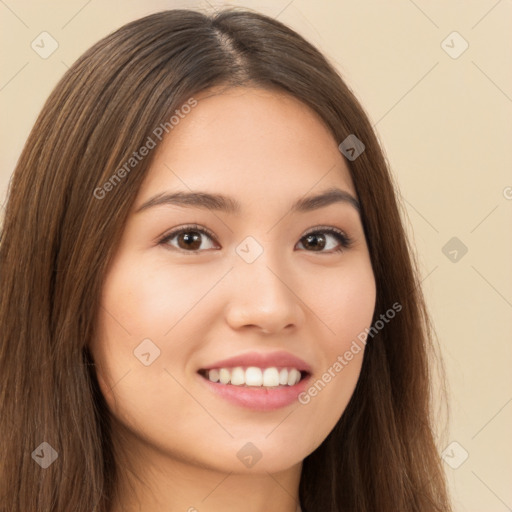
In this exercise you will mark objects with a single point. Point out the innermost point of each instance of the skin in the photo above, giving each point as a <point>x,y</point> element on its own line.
<point>177,441</point>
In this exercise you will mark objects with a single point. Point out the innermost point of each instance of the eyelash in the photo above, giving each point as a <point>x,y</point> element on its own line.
<point>344,240</point>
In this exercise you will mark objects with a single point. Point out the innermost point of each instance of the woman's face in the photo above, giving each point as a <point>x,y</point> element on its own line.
<point>265,279</point>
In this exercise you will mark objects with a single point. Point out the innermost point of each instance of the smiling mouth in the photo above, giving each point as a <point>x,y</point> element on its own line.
<point>254,377</point>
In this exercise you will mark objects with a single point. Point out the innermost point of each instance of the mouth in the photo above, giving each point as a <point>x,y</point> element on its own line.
<point>261,381</point>
<point>254,388</point>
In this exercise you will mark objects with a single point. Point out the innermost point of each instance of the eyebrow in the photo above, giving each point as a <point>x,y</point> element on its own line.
<point>220,202</point>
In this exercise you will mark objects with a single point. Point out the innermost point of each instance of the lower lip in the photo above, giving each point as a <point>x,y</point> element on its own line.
<point>258,398</point>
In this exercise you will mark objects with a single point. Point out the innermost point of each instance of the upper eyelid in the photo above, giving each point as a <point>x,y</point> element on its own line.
<point>210,233</point>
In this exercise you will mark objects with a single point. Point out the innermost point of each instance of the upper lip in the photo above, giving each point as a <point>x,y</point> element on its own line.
<point>263,360</point>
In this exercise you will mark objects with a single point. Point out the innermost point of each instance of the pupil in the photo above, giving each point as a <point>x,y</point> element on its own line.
<point>191,241</point>
<point>310,241</point>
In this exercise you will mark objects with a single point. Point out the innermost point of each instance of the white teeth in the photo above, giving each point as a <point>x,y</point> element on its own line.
<point>214,375</point>
<point>271,377</point>
<point>253,376</point>
<point>293,377</point>
<point>224,376</point>
<point>237,377</point>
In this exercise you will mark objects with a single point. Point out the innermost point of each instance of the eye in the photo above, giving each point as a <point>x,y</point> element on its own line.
<point>188,238</point>
<point>318,240</point>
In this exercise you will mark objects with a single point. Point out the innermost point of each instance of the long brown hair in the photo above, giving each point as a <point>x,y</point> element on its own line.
<point>59,237</point>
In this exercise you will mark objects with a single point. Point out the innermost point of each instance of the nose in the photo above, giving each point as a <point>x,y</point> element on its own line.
<point>264,298</point>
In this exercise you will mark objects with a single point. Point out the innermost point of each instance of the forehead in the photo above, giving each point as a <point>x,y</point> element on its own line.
<point>255,144</point>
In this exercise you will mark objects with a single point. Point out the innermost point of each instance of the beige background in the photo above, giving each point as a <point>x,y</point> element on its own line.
<point>446,125</point>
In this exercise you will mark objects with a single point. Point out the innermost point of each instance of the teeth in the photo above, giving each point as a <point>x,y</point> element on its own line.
<point>293,377</point>
<point>224,376</point>
<point>237,376</point>
<point>214,375</point>
<point>271,377</point>
<point>253,376</point>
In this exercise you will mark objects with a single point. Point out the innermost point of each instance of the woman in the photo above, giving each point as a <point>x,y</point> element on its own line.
<point>207,296</point>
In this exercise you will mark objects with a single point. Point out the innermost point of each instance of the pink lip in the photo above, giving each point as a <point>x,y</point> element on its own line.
<point>258,398</point>
<point>263,360</point>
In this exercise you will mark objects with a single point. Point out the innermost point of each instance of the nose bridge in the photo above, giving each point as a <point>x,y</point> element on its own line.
<point>263,275</point>
<point>263,291</point>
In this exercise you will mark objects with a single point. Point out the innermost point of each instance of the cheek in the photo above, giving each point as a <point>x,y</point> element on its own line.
<point>345,307</point>
<point>344,304</point>
<point>150,298</point>
<point>146,308</point>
